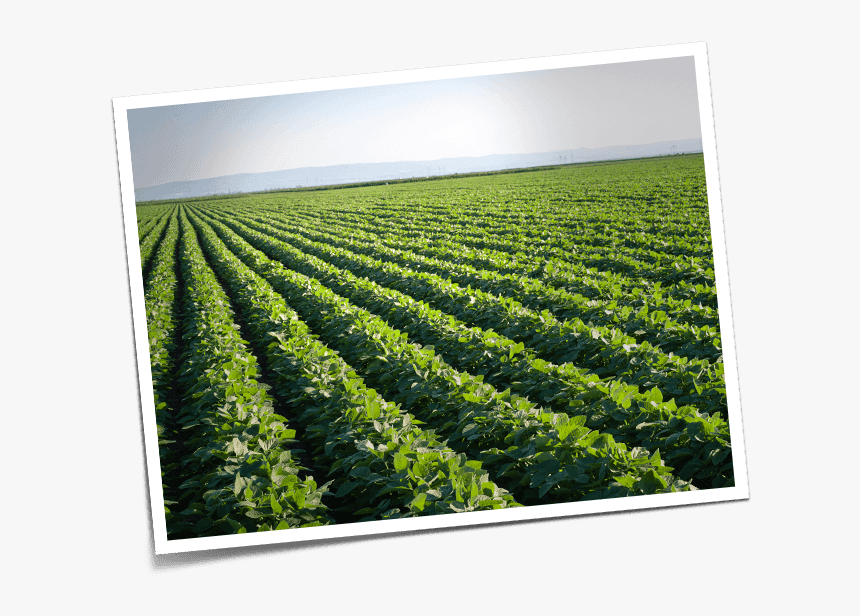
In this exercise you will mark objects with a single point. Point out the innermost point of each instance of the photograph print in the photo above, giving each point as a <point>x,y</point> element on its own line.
<point>431,298</point>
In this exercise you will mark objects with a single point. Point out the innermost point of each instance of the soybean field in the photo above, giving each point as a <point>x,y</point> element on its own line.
<point>433,347</point>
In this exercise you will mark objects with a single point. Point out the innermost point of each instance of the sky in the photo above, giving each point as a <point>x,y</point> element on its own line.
<point>628,103</point>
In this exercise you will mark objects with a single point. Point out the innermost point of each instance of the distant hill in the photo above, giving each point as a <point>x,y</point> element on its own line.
<point>368,172</point>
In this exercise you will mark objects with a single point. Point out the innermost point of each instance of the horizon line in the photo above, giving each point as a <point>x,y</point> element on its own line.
<point>418,161</point>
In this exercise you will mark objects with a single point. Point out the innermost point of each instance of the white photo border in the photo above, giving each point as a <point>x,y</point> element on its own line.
<point>739,491</point>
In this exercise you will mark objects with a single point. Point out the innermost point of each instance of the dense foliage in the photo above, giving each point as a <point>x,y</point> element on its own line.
<point>454,345</point>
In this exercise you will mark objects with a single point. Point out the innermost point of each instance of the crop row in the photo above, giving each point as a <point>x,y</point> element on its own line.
<point>698,440</point>
<point>609,351</point>
<point>148,221</point>
<point>562,269</point>
<point>648,265</point>
<point>239,471</point>
<point>548,229</point>
<point>161,323</point>
<point>150,242</point>
<point>532,449</point>
<point>670,202</point>
<point>376,454</point>
<point>636,318</point>
<point>416,349</point>
<point>648,245</point>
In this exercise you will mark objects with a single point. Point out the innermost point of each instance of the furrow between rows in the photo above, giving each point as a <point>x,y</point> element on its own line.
<point>633,316</point>
<point>239,471</point>
<point>543,455</point>
<point>605,351</point>
<point>696,441</point>
<point>378,456</point>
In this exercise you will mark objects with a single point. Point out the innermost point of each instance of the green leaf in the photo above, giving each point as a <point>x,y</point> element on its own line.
<point>418,502</point>
<point>276,506</point>
<point>236,526</point>
<point>545,488</point>
<point>345,489</point>
<point>400,462</point>
<point>651,482</point>
<point>203,525</point>
<point>721,455</point>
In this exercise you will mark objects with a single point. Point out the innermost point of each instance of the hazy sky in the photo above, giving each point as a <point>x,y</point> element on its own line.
<point>541,111</point>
